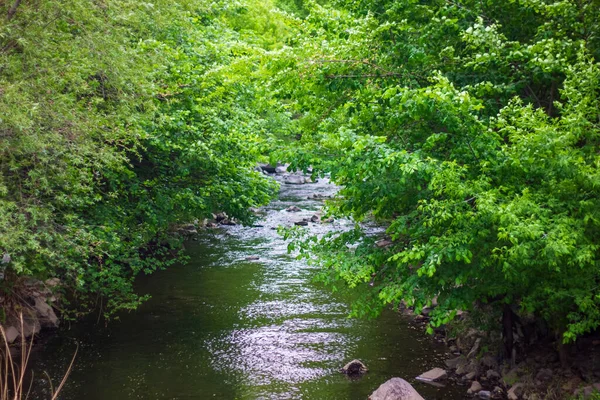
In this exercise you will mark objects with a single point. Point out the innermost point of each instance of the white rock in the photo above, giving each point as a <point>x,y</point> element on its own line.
<point>434,375</point>
<point>294,180</point>
<point>484,394</point>
<point>475,388</point>
<point>395,389</point>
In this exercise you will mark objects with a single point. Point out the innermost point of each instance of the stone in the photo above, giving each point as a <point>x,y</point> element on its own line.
<point>354,367</point>
<point>220,217</point>
<point>544,375</point>
<point>293,209</point>
<point>252,258</point>
<point>426,311</point>
<point>474,349</point>
<point>6,258</point>
<point>516,391</point>
<point>465,368</point>
<point>492,374</point>
<point>434,375</point>
<point>489,361</point>
<point>395,389</point>
<point>471,375</point>
<point>281,169</point>
<point>484,394</point>
<point>46,315</point>
<point>228,221</point>
<point>475,388</point>
<point>188,229</point>
<point>52,282</point>
<point>11,334</point>
<point>383,243</point>
<point>315,218</point>
<point>453,363</point>
<point>301,223</point>
<point>294,180</point>
<point>268,168</point>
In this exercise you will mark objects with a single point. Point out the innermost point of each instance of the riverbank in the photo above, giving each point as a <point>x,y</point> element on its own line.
<point>30,308</point>
<point>476,362</point>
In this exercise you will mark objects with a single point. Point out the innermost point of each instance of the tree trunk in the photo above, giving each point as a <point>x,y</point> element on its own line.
<point>563,350</point>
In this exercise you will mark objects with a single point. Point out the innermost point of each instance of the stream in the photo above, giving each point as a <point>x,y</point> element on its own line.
<point>224,327</point>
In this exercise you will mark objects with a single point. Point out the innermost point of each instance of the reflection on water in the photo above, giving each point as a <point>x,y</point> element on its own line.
<point>222,327</point>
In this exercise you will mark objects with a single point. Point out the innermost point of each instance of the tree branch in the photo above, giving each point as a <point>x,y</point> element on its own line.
<point>13,10</point>
<point>386,75</point>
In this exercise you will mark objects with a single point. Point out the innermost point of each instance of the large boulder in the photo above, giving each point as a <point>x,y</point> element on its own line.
<point>395,389</point>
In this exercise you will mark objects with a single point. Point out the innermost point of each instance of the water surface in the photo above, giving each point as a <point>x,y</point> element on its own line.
<point>223,327</point>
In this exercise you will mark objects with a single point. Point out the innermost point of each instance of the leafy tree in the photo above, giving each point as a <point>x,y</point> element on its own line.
<point>471,130</point>
<point>118,120</point>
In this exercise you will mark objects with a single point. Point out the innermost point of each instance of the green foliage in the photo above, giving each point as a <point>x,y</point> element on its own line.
<point>469,128</point>
<point>119,119</point>
<point>472,130</point>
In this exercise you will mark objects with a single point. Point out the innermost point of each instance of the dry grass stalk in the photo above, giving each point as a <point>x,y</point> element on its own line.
<point>12,374</point>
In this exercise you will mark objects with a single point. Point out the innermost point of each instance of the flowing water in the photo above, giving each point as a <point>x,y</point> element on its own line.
<point>224,327</point>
